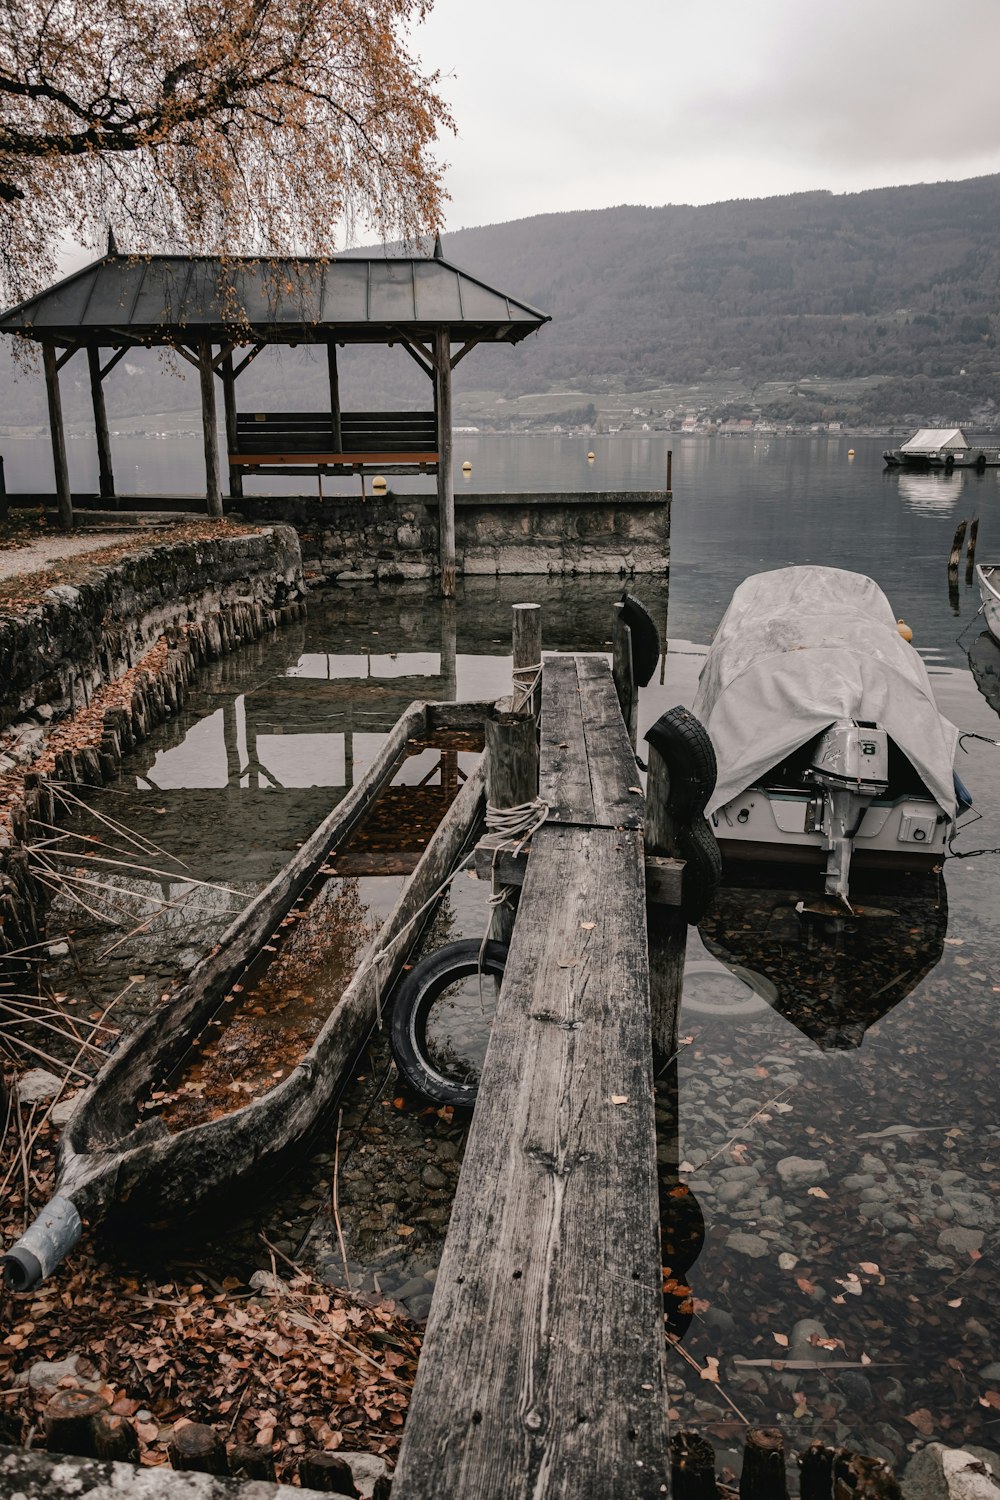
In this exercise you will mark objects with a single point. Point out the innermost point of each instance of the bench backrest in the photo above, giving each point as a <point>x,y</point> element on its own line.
<point>360,432</point>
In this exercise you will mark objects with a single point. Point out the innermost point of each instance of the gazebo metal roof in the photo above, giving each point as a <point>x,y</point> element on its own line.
<point>160,298</point>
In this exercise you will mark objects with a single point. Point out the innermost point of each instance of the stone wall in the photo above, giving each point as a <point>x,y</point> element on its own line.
<point>81,636</point>
<point>63,657</point>
<point>396,536</point>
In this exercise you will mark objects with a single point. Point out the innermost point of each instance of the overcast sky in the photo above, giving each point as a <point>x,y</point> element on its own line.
<point>565,104</point>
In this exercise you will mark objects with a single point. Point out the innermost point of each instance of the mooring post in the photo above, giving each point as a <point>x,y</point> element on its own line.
<point>511,781</point>
<point>526,636</point>
<point>666,925</point>
<point>623,672</point>
<point>970,556</point>
<point>670,472</point>
<point>956,549</point>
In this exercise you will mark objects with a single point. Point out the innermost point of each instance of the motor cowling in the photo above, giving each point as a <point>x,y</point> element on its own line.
<point>852,754</point>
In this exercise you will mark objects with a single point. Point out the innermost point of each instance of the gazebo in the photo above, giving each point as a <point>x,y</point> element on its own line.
<point>219,312</point>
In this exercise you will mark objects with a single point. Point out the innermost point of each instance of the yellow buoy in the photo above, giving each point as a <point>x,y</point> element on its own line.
<point>850,452</point>
<point>378,483</point>
<point>904,630</point>
<point>591,457</point>
<point>466,467</point>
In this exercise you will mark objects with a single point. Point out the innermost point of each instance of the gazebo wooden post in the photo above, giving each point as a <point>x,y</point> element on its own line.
<point>208,417</point>
<point>331,357</point>
<point>107,473</point>
<point>229,401</point>
<point>64,496</point>
<point>445,474</point>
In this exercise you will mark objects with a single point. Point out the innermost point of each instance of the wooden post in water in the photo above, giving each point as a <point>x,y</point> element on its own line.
<point>670,472</point>
<point>107,477</point>
<point>956,549</point>
<point>763,1473</point>
<point>445,467</point>
<point>970,556</point>
<point>666,925</point>
<point>213,491</point>
<point>623,673</point>
<point>692,1467</point>
<point>526,636</point>
<point>64,496</point>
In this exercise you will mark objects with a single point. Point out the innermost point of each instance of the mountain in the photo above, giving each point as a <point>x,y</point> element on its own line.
<point>872,307</point>
<point>900,283</point>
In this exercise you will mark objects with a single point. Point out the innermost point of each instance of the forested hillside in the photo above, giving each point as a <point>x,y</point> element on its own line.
<point>899,283</point>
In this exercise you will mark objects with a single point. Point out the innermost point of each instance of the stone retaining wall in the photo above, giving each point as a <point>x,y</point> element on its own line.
<point>205,598</point>
<point>86,634</point>
<point>396,536</point>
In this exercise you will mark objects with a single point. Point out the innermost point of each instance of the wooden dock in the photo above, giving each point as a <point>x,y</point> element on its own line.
<point>542,1372</point>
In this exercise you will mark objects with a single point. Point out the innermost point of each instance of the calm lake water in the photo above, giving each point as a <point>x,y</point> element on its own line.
<point>848,1192</point>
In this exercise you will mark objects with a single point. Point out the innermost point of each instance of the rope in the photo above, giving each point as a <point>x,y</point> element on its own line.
<point>515,825</point>
<point>524,690</point>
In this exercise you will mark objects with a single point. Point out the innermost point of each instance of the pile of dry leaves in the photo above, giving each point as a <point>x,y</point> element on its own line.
<point>293,1367</point>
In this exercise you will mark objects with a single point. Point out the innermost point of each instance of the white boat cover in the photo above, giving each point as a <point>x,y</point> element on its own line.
<point>935,440</point>
<point>800,647</point>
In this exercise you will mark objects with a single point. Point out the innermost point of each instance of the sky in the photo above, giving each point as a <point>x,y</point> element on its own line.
<point>573,104</point>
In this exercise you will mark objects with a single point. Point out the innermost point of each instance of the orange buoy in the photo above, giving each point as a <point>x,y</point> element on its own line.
<point>904,630</point>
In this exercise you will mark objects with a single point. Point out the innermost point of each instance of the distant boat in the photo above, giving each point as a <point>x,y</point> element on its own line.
<point>940,448</point>
<point>829,743</point>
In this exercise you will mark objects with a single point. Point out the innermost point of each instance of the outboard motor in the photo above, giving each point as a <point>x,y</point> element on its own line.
<point>850,762</point>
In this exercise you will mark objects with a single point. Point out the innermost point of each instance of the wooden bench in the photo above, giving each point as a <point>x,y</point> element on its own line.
<point>394,441</point>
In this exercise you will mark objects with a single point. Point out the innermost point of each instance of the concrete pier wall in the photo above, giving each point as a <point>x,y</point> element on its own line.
<point>396,536</point>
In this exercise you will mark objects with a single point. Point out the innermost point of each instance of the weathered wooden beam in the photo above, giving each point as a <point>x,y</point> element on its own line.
<point>334,373</point>
<point>511,781</point>
<point>526,653</point>
<point>445,473</point>
<point>105,468</point>
<point>64,497</point>
<point>418,353</point>
<point>466,348</point>
<point>66,355</point>
<point>667,925</point>
<point>232,439</point>
<point>623,672</point>
<point>213,489</point>
<point>222,356</point>
<point>119,354</point>
<point>542,1370</point>
<point>248,360</point>
<point>663,875</point>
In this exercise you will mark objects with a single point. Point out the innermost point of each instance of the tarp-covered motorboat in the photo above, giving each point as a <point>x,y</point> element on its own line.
<point>828,740</point>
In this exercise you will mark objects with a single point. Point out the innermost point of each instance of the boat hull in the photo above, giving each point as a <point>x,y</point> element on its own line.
<point>988,579</point>
<point>907,833</point>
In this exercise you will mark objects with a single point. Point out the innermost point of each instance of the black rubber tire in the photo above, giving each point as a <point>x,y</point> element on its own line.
<point>683,742</point>
<point>645,639</point>
<point>698,848</point>
<point>408,1031</point>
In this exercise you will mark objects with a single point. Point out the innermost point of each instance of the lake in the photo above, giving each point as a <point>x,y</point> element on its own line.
<point>841,1136</point>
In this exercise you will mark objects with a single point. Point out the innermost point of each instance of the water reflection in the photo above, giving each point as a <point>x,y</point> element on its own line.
<point>935,492</point>
<point>984,664</point>
<point>831,977</point>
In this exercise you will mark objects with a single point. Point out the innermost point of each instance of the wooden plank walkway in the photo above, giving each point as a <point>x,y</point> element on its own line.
<point>542,1372</point>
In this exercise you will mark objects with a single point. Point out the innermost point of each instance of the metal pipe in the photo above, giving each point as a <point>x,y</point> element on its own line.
<point>40,1249</point>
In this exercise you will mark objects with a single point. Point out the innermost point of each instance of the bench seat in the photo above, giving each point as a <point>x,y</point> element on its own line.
<point>275,441</point>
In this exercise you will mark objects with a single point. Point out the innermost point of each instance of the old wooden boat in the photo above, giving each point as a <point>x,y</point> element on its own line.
<point>113,1162</point>
<point>830,746</point>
